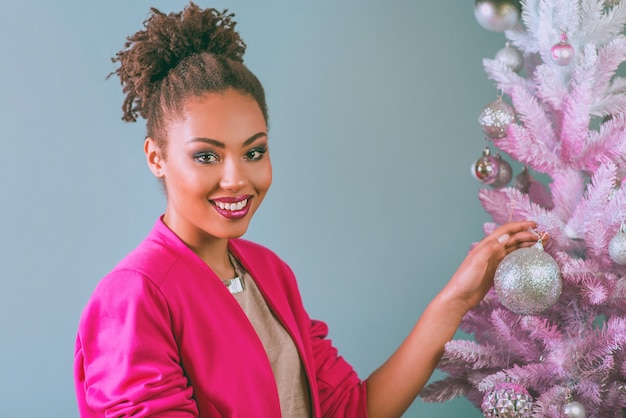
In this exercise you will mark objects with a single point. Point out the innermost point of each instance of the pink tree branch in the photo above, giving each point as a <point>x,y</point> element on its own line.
<point>577,106</point>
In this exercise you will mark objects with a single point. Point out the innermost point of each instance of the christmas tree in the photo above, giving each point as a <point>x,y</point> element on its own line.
<point>557,349</point>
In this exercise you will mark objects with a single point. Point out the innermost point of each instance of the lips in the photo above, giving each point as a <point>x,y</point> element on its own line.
<point>232,207</point>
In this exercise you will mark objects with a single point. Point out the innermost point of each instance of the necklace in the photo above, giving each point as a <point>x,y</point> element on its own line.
<point>234,285</point>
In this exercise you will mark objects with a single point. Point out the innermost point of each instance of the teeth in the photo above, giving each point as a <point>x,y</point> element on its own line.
<point>232,206</point>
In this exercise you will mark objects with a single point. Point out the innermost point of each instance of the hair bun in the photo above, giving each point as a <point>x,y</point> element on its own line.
<point>166,40</point>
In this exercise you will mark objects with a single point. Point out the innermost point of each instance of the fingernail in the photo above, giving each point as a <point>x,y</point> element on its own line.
<point>504,238</point>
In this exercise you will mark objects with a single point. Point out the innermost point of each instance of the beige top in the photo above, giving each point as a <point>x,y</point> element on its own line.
<point>293,389</point>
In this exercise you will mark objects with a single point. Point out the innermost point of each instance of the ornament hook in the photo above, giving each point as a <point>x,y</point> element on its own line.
<point>540,237</point>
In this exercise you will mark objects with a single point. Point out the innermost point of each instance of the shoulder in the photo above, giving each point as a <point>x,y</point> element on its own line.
<point>151,259</point>
<point>120,299</point>
<point>157,257</point>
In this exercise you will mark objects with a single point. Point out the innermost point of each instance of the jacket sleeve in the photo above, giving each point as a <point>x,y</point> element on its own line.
<point>127,361</point>
<point>341,393</point>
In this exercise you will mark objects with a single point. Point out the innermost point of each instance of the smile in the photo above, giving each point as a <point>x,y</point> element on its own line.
<point>232,208</point>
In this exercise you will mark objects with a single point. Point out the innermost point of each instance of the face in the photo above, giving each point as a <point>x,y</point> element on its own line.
<point>216,167</point>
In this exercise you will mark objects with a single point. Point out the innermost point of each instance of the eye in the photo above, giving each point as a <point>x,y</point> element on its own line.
<point>206,157</point>
<point>256,153</point>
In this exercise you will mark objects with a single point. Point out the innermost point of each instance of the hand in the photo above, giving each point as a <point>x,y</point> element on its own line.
<point>474,277</point>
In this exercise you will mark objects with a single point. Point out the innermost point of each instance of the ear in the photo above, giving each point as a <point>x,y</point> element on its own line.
<point>154,157</point>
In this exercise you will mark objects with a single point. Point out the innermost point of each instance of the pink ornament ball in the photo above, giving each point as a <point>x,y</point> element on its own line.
<point>495,118</point>
<point>486,168</point>
<point>562,53</point>
<point>505,173</point>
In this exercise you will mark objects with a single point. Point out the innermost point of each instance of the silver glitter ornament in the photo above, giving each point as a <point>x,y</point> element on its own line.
<point>486,168</point>
<point>496,117</point>
<point>507,400</point>
<point>617,246</point>
<point>497,15</point>
<point>574,410</point>
<point>528,280</point>
<point>511,57</point>
<point>505,173</point>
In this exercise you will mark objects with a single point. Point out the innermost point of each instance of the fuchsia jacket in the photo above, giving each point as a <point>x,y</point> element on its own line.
<point>162,336</point>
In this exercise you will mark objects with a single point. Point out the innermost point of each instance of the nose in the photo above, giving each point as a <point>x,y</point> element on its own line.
<point>233,175</point>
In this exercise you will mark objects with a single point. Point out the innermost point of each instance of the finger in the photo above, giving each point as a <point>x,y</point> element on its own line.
<point>504,238</point>
<point>503,234</point>
<point>515,227</point>
<point>524,236</point>
<point>523,240</point>
<point>489,248</point>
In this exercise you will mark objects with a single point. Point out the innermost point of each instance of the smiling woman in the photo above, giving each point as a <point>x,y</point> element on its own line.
<point>216,171</point>
<point>197,322</point>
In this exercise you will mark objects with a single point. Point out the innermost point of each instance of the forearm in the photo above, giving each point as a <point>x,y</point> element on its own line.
<point>395,384</point>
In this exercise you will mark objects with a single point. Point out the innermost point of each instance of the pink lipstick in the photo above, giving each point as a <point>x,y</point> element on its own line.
<point>232,207</point>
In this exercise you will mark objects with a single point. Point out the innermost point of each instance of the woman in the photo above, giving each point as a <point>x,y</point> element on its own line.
<point>197,322</point>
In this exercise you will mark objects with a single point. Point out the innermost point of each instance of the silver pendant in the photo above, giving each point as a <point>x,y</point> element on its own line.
<point>234,285</point>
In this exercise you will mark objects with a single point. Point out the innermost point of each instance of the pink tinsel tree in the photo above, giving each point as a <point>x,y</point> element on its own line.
<point>570,125</point>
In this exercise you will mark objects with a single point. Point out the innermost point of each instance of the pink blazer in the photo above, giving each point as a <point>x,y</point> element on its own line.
<point>162,336</point>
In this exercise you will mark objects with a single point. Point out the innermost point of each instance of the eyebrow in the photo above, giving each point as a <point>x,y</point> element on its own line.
<point>219,144</point>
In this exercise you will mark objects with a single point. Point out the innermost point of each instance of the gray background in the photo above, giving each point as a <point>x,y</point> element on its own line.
<point>374,110</point>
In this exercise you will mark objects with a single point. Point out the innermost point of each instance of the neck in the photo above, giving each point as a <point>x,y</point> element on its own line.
<point>212,250</point>
<point>216,257</point>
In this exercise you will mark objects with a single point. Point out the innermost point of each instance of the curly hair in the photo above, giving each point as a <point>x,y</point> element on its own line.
<point>178,56</point>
